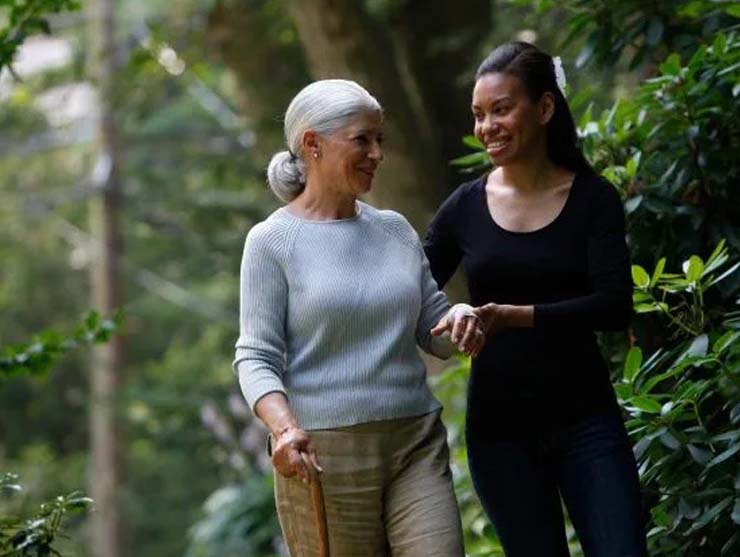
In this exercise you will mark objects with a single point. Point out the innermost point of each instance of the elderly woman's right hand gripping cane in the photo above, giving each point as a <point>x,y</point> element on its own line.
<point>293,454</point>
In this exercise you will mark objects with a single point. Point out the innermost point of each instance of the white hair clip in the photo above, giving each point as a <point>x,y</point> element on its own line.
<point>559,74</point>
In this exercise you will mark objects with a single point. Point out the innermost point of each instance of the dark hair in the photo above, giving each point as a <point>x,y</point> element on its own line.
<point>536,70</point>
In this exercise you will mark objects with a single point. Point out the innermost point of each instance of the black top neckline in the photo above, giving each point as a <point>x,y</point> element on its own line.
<point>483,198</point>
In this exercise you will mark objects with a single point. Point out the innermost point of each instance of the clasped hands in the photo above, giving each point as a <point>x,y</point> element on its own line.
<point>468,326</point>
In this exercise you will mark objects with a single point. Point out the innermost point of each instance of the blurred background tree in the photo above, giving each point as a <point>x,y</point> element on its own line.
<point>198,95</point>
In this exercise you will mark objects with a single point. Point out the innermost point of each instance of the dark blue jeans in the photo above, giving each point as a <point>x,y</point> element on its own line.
<point>589,464</point>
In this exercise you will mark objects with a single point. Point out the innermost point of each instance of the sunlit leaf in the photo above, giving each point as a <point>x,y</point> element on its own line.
<point>632,364</point>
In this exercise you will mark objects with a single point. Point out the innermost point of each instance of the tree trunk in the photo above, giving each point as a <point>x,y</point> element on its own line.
<point>437,43</point>
<point>107,359</point>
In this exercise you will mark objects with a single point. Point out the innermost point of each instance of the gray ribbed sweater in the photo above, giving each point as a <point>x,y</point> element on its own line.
<point>331,313</point>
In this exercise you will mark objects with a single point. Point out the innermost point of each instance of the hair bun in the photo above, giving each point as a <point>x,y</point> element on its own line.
<point>286,176</point>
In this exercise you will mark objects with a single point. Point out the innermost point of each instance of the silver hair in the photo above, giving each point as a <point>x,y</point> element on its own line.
<point>323,106</point>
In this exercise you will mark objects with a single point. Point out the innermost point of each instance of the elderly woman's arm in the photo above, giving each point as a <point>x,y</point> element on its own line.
<point>437,318</point>
<point>260,351</point>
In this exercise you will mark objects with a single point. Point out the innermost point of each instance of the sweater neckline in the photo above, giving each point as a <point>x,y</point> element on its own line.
<point>358,212</point>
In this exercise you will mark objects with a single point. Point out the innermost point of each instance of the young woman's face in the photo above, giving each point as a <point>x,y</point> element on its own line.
<point>351,155</point>
<point>507,121</point>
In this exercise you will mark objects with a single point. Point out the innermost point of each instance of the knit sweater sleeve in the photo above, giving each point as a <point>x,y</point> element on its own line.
<point>260,350</point>
<point>609,304</point>
<point>434,304</point>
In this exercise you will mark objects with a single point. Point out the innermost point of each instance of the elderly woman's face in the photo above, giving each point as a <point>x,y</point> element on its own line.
<point>351,155</point>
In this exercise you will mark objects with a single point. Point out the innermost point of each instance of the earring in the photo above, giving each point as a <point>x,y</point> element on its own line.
<point>316,154</point>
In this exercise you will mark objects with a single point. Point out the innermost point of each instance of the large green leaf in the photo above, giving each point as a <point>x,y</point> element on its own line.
<point>672,65</point>
<point>640,277</point>
<point>724,455</point>
<point>632,364</point>
<point>658,272</point>
<point>693,268</point>
<point>646,404</point>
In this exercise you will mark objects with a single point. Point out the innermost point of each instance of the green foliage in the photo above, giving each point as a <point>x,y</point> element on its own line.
<point>687,315</point>
<point>38,356</point>
<point>683,404</point>
<point>35,536</point>
<point>641,31</point>
<point>672,150</point>
<point>23,18</point>
<point>239,520</point>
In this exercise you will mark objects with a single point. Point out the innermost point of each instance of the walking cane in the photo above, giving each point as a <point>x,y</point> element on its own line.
<point>319,511</point>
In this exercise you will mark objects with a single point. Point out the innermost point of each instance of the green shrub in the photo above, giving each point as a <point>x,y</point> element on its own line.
<point>683,404</point>
<point>35,536</point>
<point>672,150</point>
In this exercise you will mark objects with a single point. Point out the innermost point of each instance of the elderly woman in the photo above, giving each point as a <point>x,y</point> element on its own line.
<point>335,297</point>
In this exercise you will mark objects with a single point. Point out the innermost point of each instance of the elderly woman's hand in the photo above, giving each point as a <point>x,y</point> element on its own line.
<point>464,327</point>
<point>293,453</point>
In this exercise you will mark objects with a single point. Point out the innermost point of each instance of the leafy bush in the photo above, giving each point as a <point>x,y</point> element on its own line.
<point>684,409</point>
<point>642,31</point>
<point>672,150</point>
<point>34,536</point>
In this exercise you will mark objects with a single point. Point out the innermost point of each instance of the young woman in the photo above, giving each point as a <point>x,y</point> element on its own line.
<point>335,297</point>
<point>542,242</point>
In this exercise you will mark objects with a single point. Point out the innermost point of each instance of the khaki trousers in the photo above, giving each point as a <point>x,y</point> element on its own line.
<point>387,491</point>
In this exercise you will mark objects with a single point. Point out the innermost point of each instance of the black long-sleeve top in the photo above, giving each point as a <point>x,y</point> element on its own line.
<point>575,271</point>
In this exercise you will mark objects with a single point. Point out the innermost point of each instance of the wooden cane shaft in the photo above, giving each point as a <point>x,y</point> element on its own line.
<point>317,499</point>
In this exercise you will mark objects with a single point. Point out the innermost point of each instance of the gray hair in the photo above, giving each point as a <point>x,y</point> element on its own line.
<point>323,106</point>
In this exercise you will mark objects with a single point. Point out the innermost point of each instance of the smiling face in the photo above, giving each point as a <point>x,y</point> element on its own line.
<point>507,121</point>
<point>350,156</point>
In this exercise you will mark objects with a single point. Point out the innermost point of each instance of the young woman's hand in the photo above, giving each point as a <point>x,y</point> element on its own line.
<point>464,327</point>
<point>495,317</point>
<point>293,453</point>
